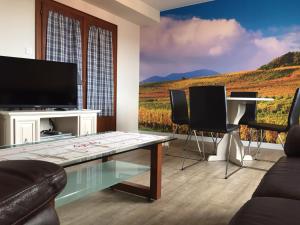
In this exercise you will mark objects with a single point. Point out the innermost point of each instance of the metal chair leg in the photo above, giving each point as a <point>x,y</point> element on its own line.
<point>259,142</point>
<point>184,148</point>
<point>214,139</point>
<point>228,156</point>
<point>242,157</point>
<point>189,135</point>
<point>203,150</point>
<point>250,140</point>
<point>185,143</point>
<point>199,149</point>
<point>175,131</point>
<point>198,145</point>
<point>280,139</point>
<point>173,135</point>
<point>195,133</point>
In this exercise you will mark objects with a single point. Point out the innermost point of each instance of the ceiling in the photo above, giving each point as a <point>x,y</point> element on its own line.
<point>141,12</point>
<point>162,5</point>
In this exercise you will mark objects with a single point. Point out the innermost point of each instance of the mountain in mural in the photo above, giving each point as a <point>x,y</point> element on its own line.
<point>288,59</point>
<point>180,76</point>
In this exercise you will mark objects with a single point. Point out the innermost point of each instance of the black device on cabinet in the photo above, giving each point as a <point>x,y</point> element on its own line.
<point>31,83</point>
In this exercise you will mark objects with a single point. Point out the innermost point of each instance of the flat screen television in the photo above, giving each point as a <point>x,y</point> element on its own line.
<point>30,83</point>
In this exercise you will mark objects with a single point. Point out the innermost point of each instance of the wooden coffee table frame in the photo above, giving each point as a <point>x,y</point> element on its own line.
<point>152,192</point>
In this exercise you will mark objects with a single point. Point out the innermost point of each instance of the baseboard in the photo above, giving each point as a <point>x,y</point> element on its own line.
<point>264,145</point>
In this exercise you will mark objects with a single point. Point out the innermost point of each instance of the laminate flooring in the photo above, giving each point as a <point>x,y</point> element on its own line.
<point>198,195</point>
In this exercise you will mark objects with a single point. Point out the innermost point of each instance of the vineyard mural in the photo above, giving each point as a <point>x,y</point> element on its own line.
<point>249,45</point>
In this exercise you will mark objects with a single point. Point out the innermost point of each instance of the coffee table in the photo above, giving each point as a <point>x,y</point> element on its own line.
<point>87,178</point>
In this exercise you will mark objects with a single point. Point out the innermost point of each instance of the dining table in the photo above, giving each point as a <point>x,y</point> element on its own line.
<point>236,108</point>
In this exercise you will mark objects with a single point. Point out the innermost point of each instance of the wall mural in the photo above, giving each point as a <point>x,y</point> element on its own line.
<point>248,45</point>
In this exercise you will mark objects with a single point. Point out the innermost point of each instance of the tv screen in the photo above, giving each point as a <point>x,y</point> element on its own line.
<point>30,83</point>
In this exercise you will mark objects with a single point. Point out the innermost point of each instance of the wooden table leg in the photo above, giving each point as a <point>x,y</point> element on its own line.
<point>154,191</point>
<point>156,173</point>
<point>107,158</point>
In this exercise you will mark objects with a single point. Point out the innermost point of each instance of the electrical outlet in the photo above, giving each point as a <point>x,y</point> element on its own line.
<point>28,51</point>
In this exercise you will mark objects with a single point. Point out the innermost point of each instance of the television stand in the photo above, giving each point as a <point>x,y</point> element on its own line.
<point>51,133</point>
<point>19,127</point>
<point>60,109</point>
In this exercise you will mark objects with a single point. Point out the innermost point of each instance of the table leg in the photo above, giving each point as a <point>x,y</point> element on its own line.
<point>156,172</point>
<point>154,191</point>
<point>107,158</point>
<point>235,112</point>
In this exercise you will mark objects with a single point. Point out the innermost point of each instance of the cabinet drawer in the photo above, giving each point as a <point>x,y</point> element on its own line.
<point>88,124</point>
<point>25,131</point>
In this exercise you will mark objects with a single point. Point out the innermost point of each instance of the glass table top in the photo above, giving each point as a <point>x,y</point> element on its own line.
<point>96,177</point>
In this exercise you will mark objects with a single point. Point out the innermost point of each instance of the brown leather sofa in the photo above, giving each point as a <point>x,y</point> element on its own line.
<point>276,200</point>
<point>27,192</point>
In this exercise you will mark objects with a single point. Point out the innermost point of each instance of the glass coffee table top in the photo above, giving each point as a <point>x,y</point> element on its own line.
<point>96,177</point>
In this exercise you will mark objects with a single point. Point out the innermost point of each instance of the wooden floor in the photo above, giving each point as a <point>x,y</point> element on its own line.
<point>198,195</point>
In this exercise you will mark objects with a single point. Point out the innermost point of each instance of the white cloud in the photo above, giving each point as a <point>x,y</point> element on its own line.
<point>270,45</point>
<point>220,44</point>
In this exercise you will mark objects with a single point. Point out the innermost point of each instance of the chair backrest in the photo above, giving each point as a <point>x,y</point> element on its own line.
<point>208,108</point>
<point>294,113</point>
<point>250,113</point>
<point>179,107</point>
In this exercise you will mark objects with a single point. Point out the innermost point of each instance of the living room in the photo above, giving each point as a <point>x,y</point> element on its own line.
<point>149,112</point>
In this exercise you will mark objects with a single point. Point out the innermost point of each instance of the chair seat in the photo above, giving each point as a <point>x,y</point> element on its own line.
<point>229,128</point>
<point>268,211</point>
<point>182,122</point>
<point>267,126</point>
<point>282,180</point>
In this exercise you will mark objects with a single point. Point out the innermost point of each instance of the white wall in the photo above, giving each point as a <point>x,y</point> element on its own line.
<point>17,32</point>
<point>17,28</point>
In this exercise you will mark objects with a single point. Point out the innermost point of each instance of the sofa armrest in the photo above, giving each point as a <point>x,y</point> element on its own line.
<point>292,143</point>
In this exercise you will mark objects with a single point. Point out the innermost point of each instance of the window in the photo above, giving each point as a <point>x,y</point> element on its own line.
<point>68,35</point>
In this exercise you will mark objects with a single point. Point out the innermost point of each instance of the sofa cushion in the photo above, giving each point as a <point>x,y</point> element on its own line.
<point>282,180</point>
<point>26,187</point>
<point>292,143</point>
<point>268,211</point>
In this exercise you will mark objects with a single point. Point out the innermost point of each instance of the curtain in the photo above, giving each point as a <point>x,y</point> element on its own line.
<point>64,44</point>
<point>100,82</point>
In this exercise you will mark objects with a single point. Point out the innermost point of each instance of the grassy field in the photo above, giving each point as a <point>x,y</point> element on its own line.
<point>279,83</point>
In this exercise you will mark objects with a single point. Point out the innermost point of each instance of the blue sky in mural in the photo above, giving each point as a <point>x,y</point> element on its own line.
<point>222,35</point>
<point>252,14</point>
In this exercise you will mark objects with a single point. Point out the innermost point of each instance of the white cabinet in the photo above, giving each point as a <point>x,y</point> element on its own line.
<point>25,131</point>
<point>19,127</point>
<point>88,124</point>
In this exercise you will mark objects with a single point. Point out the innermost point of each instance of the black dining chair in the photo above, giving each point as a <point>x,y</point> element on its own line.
<point>208,113</point>
<point>179,111</point>
<point>180,117</point>
<point>293,119</point>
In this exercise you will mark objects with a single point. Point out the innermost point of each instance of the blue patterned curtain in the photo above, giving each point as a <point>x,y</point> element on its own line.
<point>64,44</point>
<point>100,83</point>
